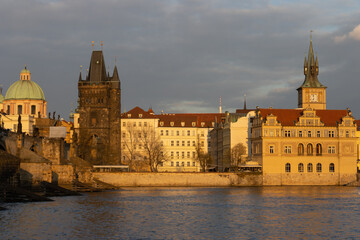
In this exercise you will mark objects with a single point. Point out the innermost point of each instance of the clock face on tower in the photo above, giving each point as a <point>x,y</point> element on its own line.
<point>313,97</point>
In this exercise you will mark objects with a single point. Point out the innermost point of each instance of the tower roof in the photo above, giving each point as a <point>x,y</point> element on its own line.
<point>97,69</point>
<point>311,70</point>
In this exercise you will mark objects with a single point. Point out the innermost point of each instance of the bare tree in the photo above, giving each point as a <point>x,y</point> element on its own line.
<point>153,147</point>
<point>130,141</point>
<point>204,158</point>
<point>237,156</point>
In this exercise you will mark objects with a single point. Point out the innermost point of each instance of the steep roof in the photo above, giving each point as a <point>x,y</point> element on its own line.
<point>137,112</point>
<point>311,70</point>
<point>288,117</point>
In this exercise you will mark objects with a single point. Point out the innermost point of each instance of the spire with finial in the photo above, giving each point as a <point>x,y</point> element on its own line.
<point>244,101</point>
<point>311,68</point>
<point>92,44</point>
<point>80,78</point>
<point>101,44</point>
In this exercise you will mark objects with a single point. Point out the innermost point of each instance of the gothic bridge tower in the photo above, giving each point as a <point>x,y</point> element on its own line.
<point>99,113</point>
<point>311,93</point>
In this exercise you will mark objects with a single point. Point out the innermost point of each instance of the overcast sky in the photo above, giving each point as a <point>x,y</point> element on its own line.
<point>181,56</point>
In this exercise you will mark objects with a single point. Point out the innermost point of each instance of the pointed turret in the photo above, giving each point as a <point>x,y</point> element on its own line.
<point>311,69</point>
<point>115,76</point>
<point>97,69</point>
<point>80,78</point>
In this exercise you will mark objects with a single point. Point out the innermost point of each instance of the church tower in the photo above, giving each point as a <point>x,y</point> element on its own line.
<point>311,93</point>
<point>99,113</point>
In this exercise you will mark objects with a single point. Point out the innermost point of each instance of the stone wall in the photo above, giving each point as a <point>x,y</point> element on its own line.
<point>180,179</point>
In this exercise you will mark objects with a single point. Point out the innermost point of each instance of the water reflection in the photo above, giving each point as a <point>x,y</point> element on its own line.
<point>190,213</point>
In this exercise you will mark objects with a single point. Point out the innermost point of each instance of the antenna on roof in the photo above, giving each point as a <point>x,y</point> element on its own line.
<point>92,44</point>
<point>115,60</point>
<point>220,105</point>
<point>101,43</point>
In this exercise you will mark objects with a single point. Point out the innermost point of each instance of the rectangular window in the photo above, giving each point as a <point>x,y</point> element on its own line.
<point>193,164</point>
<point>145,124</point>
<point>177,155</point>
<point>202,133</point>
<point>300,133</point>
<point>271,149</point>
<point>287,149</point>
<point>124,124</point>
<point>188,143</point>
<point>193,143</point>
<point>331,134</point>
<point>33,109</point>
<point>182,154</point>
<point>124,134</point>
<point>331,149</point>
<point>172,155</point>
<point>172,143</point>
<point>183,143</point>
<point>193,155</point>
<point>134,124</point>
<point>167,132</point>
<point>177,164</point>
<point>177,133</point>
<point>177,143</point>
<point>188,132</point>
<point>19,109</point>
<point>139,124</point>
<point>318,134</point>
<point>188,155</point>
<point>188,164</point>
<point>172,164</point>
<point>347,134</point>
<point>161,132</point>
<point>183,164</point>
<point>287,133</point>
<point>309,133</point>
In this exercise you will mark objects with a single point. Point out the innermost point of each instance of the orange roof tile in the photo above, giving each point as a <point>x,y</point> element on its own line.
<point>287,117</point>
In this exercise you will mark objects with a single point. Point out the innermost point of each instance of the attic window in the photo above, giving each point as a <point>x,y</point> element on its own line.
<point>202,124</point>
<point>213,124</point>
<point>182,124</point>
<point>193,124</point>
<point>172,124</point>
<point>161,123</point>
<point>129,115</point>
<point>140,115</point>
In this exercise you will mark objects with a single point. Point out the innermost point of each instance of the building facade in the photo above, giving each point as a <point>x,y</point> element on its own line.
<point>26,99</point>
<point>309,145</point>
<point>99,114</point>
<point>178,134</point>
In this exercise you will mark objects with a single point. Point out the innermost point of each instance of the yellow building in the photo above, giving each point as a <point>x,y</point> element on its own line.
<point>24,98</point>
<point>179,134</point>
<point>234,129</point>
<point>309,145</point>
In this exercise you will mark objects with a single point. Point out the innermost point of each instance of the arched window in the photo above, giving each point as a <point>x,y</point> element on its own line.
<point>33,109</point>
<point>301,149</point>
<point>301,167</point>
<point>309,149</point>
<point>318,167</point>
<point>310,167</point>
<point>332,167</point>
<point>318,149</point>
<point>287,167</point>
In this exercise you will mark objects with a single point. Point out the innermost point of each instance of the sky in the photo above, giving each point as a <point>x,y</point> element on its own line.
<point>181,56</point>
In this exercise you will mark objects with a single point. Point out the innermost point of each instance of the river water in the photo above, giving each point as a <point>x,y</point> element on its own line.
<point>190,213</point>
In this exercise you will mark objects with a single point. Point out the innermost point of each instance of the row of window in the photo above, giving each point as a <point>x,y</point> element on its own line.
<point>172,143</point>
<point>329,133</point>
<point>177,155</point>
<point>183,133</point>
<point>20,109</point>
<point>188,164</point>
<point>309,167</point>
<point>140,124</point>
<point>309,149</point>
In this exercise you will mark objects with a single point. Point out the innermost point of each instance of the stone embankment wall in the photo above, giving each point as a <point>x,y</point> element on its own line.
<point>180,179</point>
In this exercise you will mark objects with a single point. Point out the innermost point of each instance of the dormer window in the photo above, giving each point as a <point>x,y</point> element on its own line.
<point>182,124</point>
<point>161,123</point>
<point>213,124</point>
<point>129,115</point>
<point>172,124</point>
<point>140,115</point>
<point>202,124</point>
<point>193,124</point>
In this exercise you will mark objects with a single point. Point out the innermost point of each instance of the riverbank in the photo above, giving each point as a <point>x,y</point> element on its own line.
<point>147,179</point>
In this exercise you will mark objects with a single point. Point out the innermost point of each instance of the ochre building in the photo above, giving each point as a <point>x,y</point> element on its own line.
<point>309,145</point>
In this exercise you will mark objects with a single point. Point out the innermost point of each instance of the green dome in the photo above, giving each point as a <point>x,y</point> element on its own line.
<point>25,89</point>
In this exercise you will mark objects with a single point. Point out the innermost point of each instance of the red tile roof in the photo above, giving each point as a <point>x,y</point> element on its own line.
<point>136,112</point>
<point>287,117</point>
